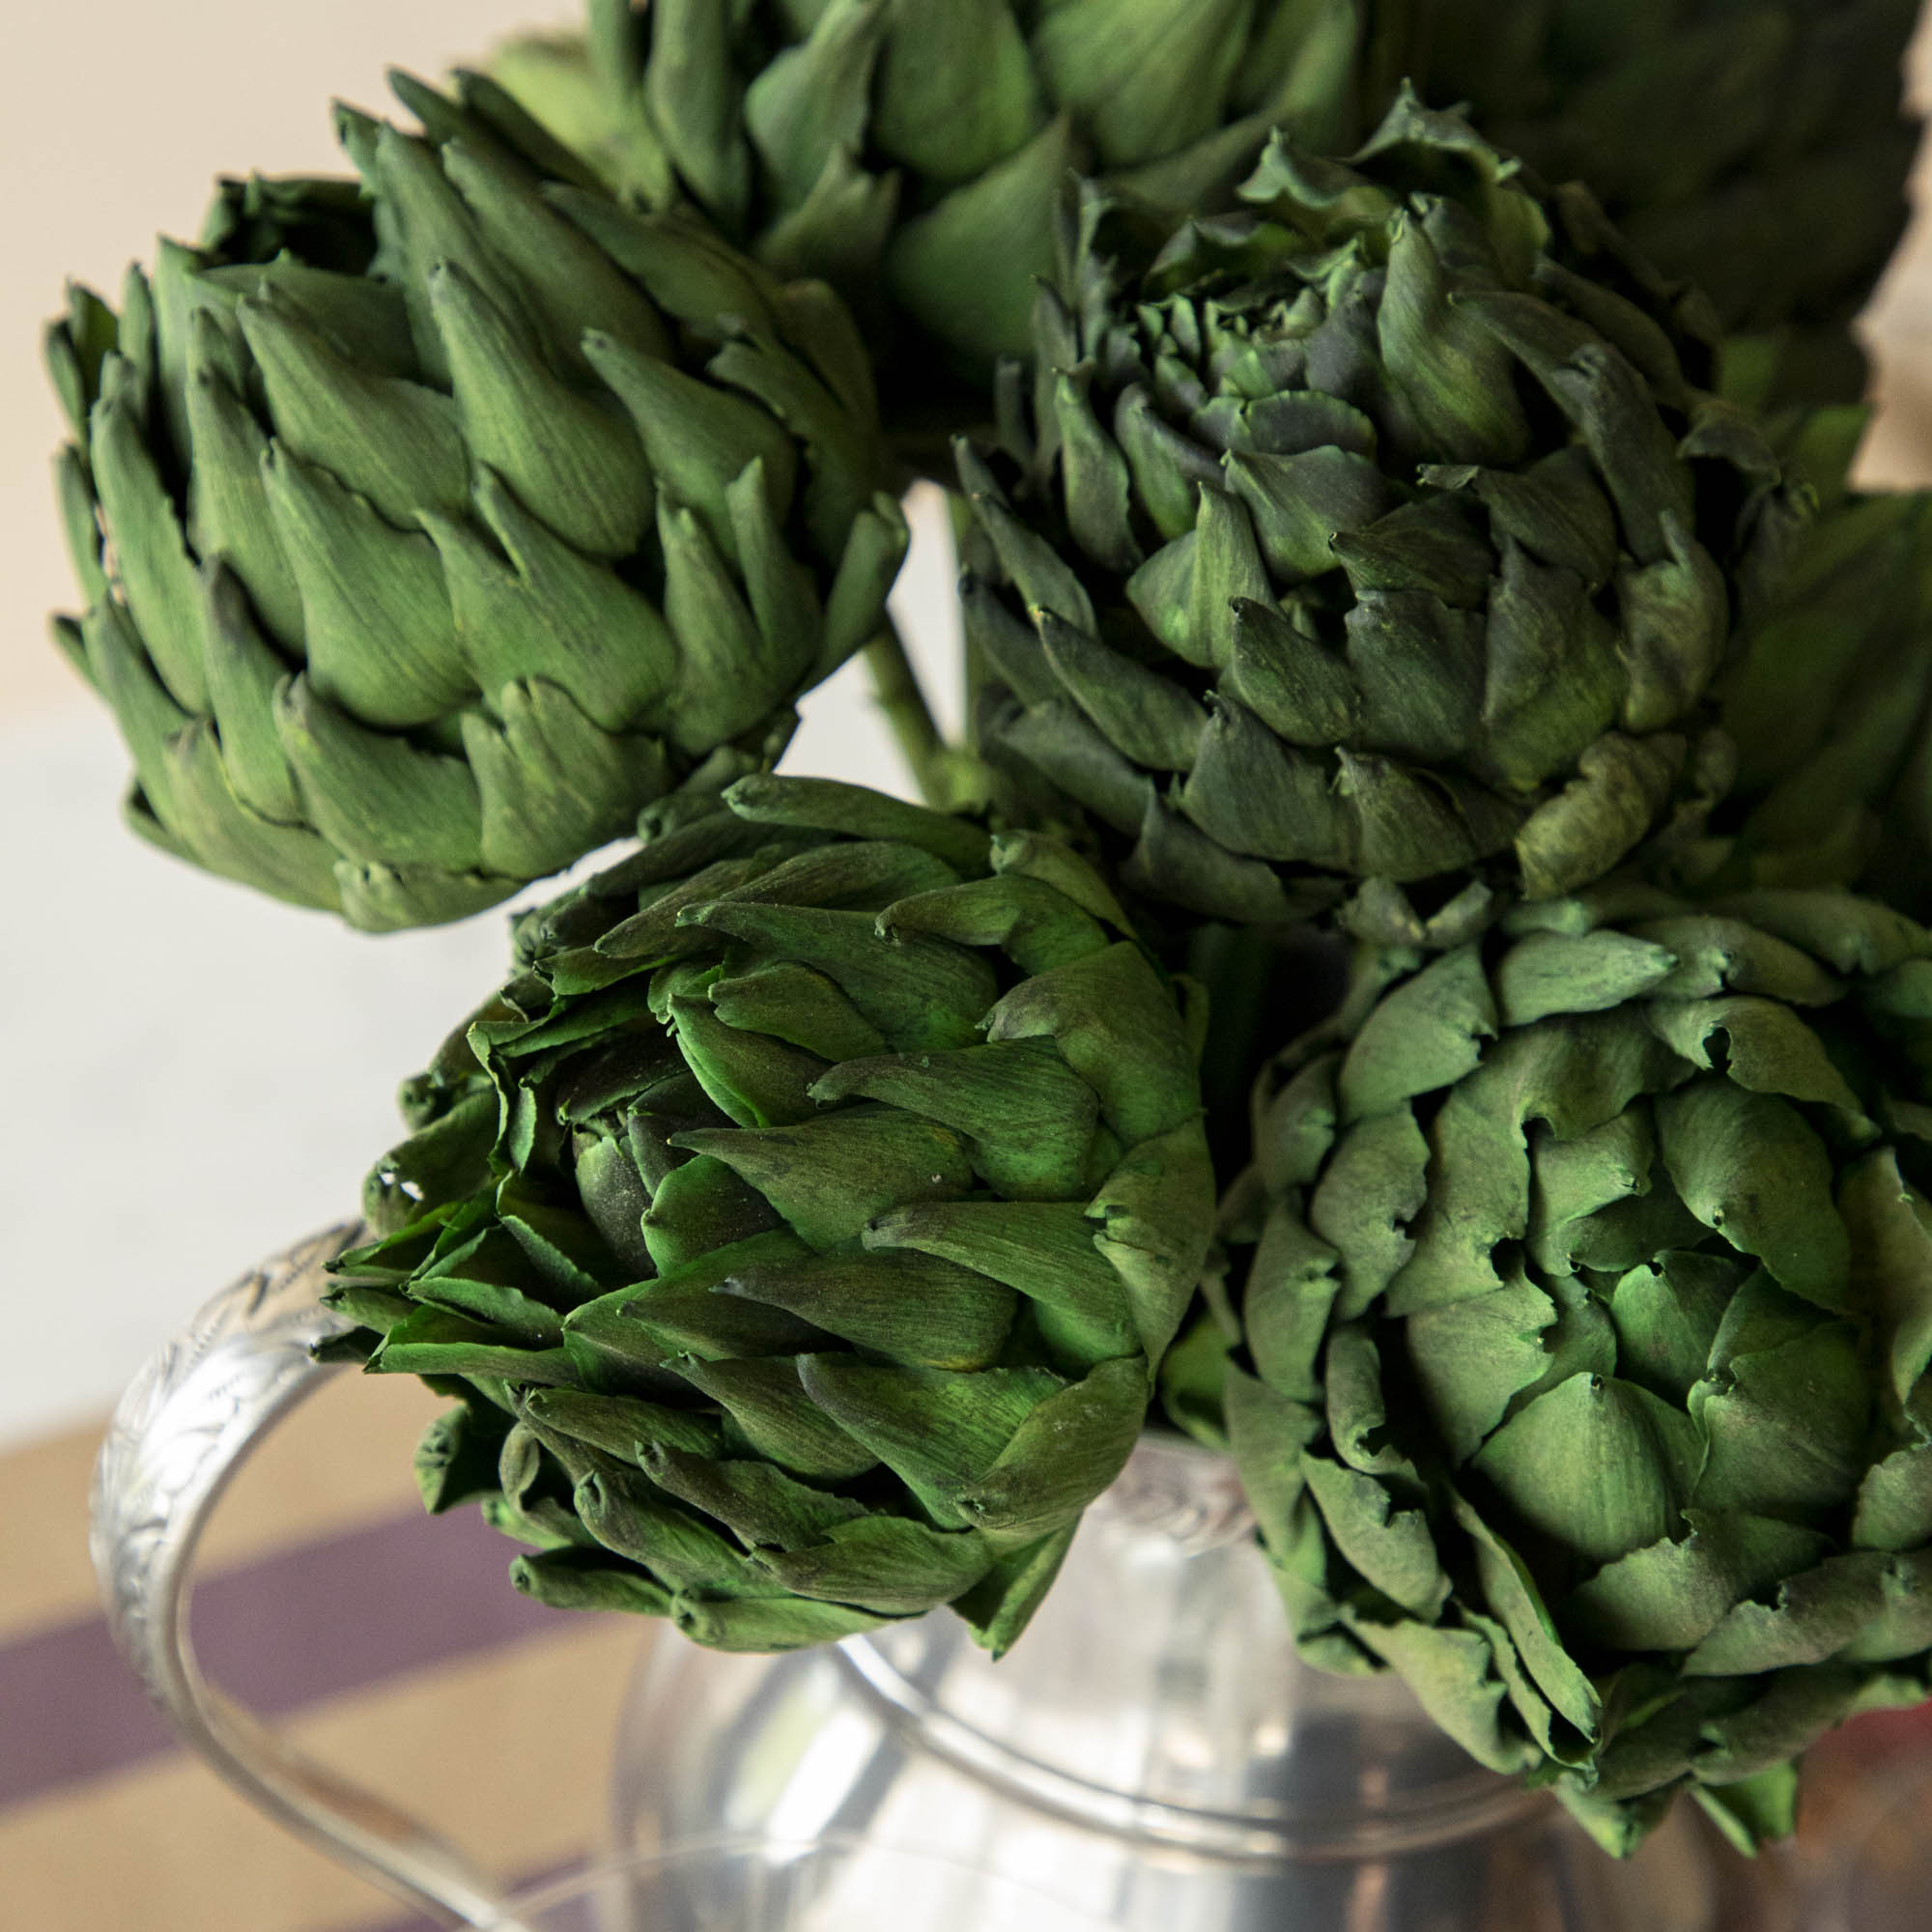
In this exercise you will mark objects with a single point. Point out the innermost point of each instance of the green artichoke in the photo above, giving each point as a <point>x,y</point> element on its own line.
<point>800,1226</point>
<point>432,526</point>
<point>1383,535</point>
<point>924,142</point>
<point>1757,147</point>
<point>1584,1290</point>
<point>1831,706</point>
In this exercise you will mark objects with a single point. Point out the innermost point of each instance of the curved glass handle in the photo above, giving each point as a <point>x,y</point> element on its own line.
<point>179,1432</point>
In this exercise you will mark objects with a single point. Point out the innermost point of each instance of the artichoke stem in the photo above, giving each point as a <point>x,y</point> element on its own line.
<point>949,777</point>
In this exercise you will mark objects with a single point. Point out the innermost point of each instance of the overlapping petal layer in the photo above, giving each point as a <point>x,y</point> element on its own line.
<point>1382,536</point>
<point>1586,1305</point>
<point>918,146</point>
<point>431,526</point>
<point>800,1227</point>
<point>1831,708</point>
<point>1755,147</point>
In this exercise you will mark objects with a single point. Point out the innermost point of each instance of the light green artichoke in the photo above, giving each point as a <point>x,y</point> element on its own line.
<point>1585,1304</point>
<point>925,142</point>
<point>1757,147</point>
<point>432,526</point>
<point>1383,537</point>
<point>801,1223</point>
<point>1831,706</point>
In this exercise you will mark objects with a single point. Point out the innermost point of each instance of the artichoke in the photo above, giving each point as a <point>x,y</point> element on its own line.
<point>924,142</point>
<point>1384,535</point>
<point>432,526</point>
<point>800,1225</point>
<point>1584,1286</point>
<point>1757,147</point>
<point>1831,706</point>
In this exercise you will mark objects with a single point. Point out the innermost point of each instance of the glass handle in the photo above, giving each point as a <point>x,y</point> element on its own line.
<point>179,1433</point>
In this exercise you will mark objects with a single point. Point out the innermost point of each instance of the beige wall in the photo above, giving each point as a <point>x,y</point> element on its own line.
<point>1898,452</point>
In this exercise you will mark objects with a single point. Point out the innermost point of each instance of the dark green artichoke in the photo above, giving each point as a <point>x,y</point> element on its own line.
<point>1831,708</point>
<point>432,526</point>
<point>1757,147</point>
<point>925,142</point>
<point>800,1225</point>
<point>1584,1284</point>
<point>1383,536</point>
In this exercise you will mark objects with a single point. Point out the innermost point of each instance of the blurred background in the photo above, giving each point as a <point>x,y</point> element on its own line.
<point>191,1078</point>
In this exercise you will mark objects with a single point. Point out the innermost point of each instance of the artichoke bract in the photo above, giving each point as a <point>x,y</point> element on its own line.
<point>925,142</point>
<point>1383,537</point>
<point>431,526</point>
<point>1831,708</point>
<point>801,1226</point>
<point>1757,147</point>
<point>1586,1301</point>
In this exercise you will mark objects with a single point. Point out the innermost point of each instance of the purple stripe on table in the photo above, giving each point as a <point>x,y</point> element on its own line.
<point>313,1622</point>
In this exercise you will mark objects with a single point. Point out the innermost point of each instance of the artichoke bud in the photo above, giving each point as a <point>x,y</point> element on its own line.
<point>806,1218</point>
<point>1581,1283</point>
<point>917,151</point>
<point>427,537</point>
<point>1380,539</point>
<point>1760,151</point>
<point>1832,704</point>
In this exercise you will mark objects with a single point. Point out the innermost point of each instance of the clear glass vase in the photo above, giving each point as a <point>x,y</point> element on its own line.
<point>1154,1754</point>
<point>762,1884</point>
